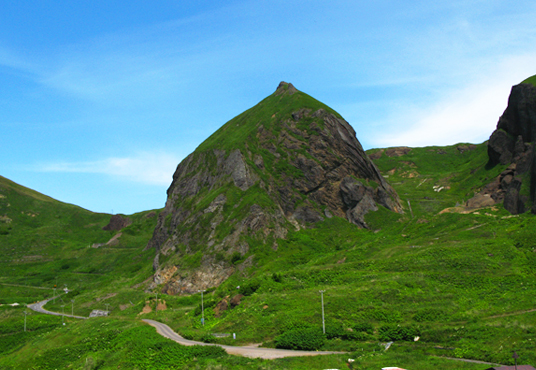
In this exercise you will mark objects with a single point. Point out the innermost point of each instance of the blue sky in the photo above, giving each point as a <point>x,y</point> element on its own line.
<point>101,100</point>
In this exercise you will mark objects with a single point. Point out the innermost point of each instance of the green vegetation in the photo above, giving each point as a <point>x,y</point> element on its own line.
<point>530,80</point>
<point>112,343</point>
<point>437,280</point>
<point>94,344</point>
<point>262,116</point>
<point>460,280</point>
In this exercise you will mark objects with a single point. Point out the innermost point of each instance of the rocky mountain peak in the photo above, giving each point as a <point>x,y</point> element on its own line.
<point>285,87</point>
<point>285,164</point>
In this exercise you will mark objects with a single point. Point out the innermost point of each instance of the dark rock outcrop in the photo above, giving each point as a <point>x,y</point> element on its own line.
<point>513,143</point>
<point>117,222</point>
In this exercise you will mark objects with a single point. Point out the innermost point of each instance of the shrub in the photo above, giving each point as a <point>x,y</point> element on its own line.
<point>430,314</point>
<point>385,315</point>
<point>309,339</point>
<point>277,277</point>
<point>236,258</point>
<point>208,338</point>
<point>288,324</point>
<point>249,287</point>
<point>393,332</point>
<point>364,327</point>
<point>337,330</point>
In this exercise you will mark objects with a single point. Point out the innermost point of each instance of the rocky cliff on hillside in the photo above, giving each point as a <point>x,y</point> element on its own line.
<point>512,143</point>
<point>284,164</point>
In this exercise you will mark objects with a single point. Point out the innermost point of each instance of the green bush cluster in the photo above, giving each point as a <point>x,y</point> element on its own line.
<point>249,287</point>
<point>393,332</point>
<point>364,327</point>
<point>337,331</point>
<point>208,338</point>
<point>307,339</point>
<point>431,314</point>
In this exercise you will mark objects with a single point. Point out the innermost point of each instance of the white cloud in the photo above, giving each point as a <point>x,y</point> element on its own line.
<point>467,114</point>
<point>146,168</point>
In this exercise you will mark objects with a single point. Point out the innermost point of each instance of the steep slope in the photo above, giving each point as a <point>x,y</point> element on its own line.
<point>512,144</point>
<point>282,165</point>
<point>45,242</point>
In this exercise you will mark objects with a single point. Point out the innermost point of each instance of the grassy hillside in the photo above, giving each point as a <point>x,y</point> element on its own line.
<point>462,280</point>
<point>267,114</point>
<point>457,278</point>
<point>46,243</point>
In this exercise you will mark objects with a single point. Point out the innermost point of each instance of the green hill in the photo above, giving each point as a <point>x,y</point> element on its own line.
<point>429,266</point>
<point>46,243</point>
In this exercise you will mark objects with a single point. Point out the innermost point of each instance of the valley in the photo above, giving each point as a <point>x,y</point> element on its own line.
<point>413,246</point>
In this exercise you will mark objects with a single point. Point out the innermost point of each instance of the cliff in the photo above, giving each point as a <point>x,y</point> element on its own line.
<point>512,144</point>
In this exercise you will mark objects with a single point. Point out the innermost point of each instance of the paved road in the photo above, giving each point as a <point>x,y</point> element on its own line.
<point>38,307</point>
<point>166,331</point>
<point>473,361</point>
<point>247,351</point>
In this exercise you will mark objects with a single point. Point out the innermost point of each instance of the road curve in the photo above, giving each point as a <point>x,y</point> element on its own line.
<point>38,307</point>
<point>252,352</point>
<point>166,331</point>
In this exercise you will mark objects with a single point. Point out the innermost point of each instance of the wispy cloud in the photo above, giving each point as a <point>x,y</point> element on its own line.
<point>467,114</point>
<point>146,168</point>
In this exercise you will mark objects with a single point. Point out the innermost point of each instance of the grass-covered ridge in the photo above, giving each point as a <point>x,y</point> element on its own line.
<point>242,130</point>
<point>531,80</point>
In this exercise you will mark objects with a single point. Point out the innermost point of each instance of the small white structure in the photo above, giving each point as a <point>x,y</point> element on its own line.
<point>97,313</point>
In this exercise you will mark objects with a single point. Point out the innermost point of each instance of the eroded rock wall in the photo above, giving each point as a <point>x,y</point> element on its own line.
<point>512,143</point>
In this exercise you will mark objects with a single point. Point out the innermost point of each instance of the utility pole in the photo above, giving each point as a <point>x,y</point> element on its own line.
<point>25,313</point>
<point>62,314</point>
<point>107,305</point>
<point>323,322</point>
<point>515,356</point>
<point>202,308</point>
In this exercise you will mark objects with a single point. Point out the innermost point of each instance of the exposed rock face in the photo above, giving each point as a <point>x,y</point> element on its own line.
<point>513,143</point>
<point>117,222</point>
<point>235,301</point>
<point>391,152</point>
<point>296,163</point>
